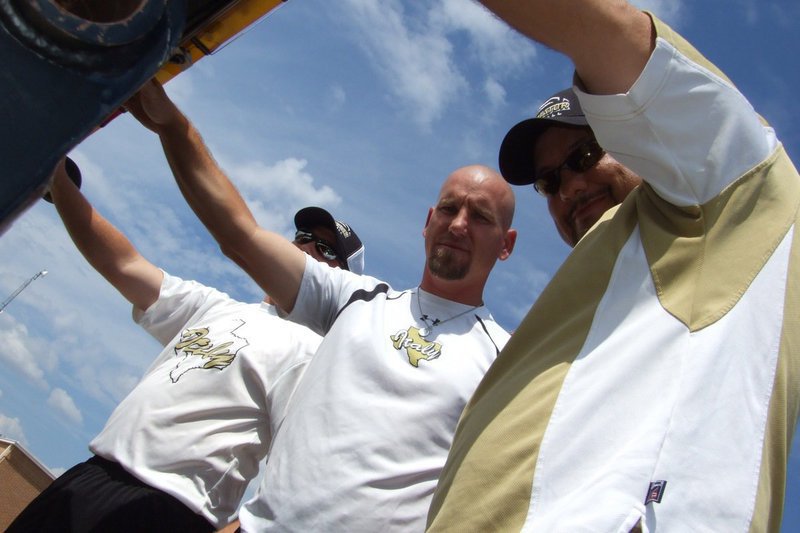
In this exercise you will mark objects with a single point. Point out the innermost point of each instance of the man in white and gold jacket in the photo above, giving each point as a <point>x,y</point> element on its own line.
<point>654,384</point>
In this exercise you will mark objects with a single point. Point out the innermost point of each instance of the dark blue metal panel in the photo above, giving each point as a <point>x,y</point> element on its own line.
<point>64,71</point>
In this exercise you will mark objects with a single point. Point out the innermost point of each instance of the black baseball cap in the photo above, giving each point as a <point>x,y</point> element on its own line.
<point>516,151</point>
<point>74,173</point>
<point>347,246</point>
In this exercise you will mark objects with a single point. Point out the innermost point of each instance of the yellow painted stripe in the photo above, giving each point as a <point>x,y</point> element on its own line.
<point>216,33</point>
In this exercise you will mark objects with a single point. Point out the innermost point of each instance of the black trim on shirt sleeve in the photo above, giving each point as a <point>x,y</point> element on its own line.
<point>496,349</point>
<point>364,295</point>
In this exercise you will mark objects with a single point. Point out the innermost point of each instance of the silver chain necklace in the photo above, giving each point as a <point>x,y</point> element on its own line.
<point>428,329</point>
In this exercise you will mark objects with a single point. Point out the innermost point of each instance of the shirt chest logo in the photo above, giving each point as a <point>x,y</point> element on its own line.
<point>198,349</point>
<point>415,346</point>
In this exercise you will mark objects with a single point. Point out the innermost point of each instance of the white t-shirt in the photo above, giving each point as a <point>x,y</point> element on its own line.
<point>200,421</point>
<point>368,431</point>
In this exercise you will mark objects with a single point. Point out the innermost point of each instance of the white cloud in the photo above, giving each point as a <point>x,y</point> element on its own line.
<point>128,204</point>
<point>497,47</point>
<point>275,192</point>
<point>17,352</point>
<point>495,93</point>
<point>62,402</point>
<point>337,96</point>
<point>417,66</point>
<point>181,88</point>
<point>670,11</point>
<point>781,14</point>
<point>156,219</point>
<point>111,383</point>
<point>751,11</point>
<point>11,428</point>
<point>414,53</point>
<point>517,287</point>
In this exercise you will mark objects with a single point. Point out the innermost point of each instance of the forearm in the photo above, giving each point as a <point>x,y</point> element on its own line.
<point>272,261</point>
<point>105,248</point>
<point>609,41</point>
<point>206,188</point>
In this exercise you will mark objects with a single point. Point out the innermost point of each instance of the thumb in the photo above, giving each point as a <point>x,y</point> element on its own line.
<point>151,106</point>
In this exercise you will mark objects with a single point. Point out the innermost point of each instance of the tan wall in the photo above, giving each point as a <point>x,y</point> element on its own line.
<point>21,480</point>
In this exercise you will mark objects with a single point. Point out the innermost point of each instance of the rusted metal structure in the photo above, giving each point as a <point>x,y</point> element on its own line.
<point>69,64</point>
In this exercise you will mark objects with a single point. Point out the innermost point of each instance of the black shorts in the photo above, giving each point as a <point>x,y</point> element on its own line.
<point>100,495</point>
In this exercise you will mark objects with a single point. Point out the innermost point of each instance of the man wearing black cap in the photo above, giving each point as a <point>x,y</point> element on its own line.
<point>653,385</point>
<point>369,427</point>
<point>338,241</point>
<point>182,446</point>
<point>567,165</point>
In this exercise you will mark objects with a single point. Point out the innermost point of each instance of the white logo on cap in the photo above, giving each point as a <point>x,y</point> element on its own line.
<point>553,107</point>
<point>343,229</point>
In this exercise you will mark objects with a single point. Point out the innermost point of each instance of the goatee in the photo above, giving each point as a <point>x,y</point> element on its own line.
<point>446,264</point>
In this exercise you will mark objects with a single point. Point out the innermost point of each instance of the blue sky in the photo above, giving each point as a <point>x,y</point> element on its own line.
<point>360,106</point>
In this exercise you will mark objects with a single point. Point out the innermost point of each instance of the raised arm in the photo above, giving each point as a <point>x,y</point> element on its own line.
<point>609,41</point>
<point>271,260</point>
<point>104,246</point>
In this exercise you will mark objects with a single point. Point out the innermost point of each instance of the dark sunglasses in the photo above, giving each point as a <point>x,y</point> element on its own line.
<point>581,159</point>
<point>305,237</point>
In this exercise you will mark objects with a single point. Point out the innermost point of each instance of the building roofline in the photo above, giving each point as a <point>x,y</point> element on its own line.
<point>29,455</point>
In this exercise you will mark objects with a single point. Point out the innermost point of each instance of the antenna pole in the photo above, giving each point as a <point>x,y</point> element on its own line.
<point>21,288</point>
